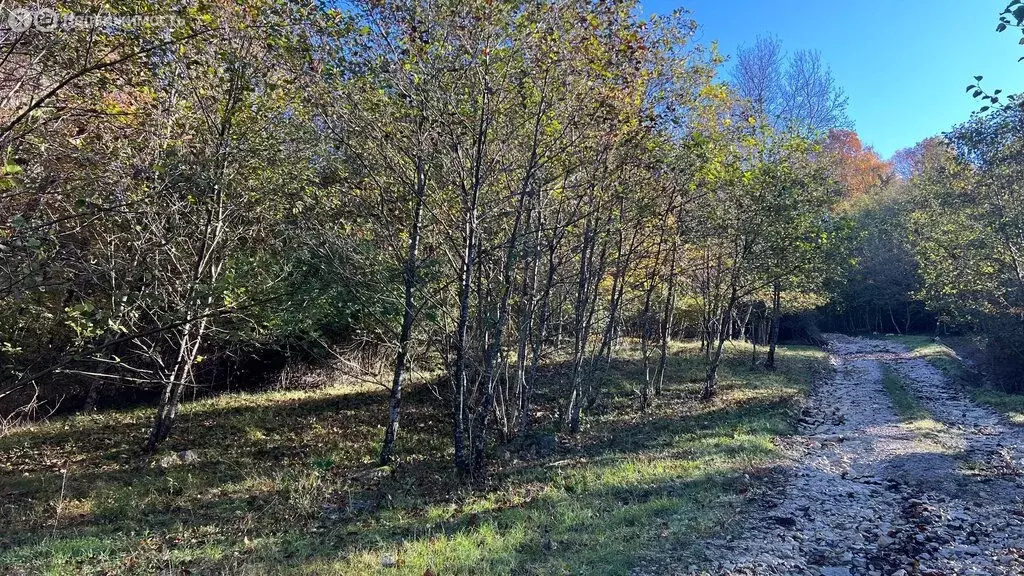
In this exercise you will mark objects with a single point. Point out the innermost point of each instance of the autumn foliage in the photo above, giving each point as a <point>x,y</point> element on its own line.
<point>859,168</point>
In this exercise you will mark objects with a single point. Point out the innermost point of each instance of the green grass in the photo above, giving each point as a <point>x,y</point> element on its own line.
<point>946,360</point>
<point>1009,405</point>
<point>277,470</point>
<point>907,406</point>
<point>913,415</point>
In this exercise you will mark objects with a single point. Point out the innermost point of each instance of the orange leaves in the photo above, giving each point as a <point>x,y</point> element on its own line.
<point>858,168</point>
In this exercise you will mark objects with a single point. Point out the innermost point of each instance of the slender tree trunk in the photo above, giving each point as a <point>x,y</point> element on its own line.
<point>715,356</point>
<point>893,319</point>
<point>191,335</point>
<point>408,316</point>
<point>537,343</point>
<point>666,323</point>
<point>645,317</point>
<point>582,316</point>
<point>560,323</point>
<point>93,394</point>
<point>618,288</point>
<point>604,353</point>
<point>460,377</point>
<point>483,412</point>
<point>206,268</point>
<point>180,377</point>
<point>593,388</point>
<point>753,338</point>
<point>461,415</point>
<point>769,362</point>
<point>528,300</point>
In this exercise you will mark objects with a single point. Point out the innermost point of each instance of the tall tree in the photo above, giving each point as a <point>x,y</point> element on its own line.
<point>759,76</point>
<point>795,91</point>
<point>858,168</point>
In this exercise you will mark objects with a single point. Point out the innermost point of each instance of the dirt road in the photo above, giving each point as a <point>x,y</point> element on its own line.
<point>870,494</point>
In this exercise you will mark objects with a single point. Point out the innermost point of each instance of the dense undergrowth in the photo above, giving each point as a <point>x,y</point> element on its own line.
<point>285,483</point>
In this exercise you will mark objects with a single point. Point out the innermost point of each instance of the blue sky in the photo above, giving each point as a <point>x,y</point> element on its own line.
<point>904,63</point>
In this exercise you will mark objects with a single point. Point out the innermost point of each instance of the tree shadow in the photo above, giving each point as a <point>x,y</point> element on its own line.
<point>290,478</point>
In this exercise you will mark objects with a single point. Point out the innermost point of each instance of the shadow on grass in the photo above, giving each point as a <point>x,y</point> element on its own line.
<point>281,483</point>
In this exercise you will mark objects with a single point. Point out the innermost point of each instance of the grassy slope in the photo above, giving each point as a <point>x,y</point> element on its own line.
<point>946,360</point>
<point>278,470</point>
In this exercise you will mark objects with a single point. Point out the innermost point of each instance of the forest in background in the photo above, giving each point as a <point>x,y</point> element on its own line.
<point>452,194</point>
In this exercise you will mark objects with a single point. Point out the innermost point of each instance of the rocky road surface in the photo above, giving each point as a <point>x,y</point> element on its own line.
<point>871,495</point>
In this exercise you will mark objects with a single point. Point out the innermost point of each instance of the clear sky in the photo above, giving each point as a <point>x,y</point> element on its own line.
<point>904,63</point>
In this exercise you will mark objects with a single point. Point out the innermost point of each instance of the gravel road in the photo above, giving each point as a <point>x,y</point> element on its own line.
<point>869,494</point>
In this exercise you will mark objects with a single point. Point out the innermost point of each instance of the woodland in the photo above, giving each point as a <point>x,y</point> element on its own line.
<point>433,285</point>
